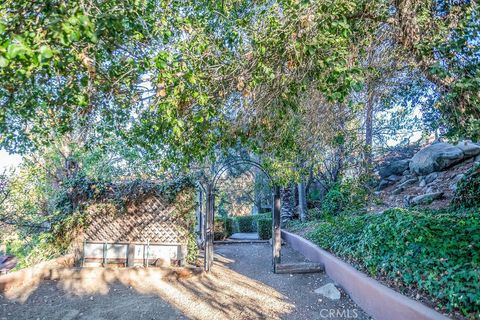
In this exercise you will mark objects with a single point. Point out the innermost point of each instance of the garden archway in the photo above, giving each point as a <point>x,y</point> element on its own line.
<point>206,211</point>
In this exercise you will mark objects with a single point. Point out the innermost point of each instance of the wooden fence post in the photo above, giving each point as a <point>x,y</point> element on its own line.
<point>105,248</point>
<point>131,255</point>
<point>209,218</point>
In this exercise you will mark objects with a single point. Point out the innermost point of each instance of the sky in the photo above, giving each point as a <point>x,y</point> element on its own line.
<point>8,161</point>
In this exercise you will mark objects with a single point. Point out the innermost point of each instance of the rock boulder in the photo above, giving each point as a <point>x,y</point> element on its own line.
<point>393,168</point>
<point>435,157</point>
<point>425,198</point>
<point>469,149</point>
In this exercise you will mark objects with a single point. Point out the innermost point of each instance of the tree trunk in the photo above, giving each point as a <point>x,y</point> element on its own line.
<point>368,157</point>
<point>340,149</point>
<point>369,130</point>
<point>302,201</point>
<point>286,213</point>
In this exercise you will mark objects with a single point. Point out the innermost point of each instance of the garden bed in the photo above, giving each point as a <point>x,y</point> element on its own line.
<point>430,256</point>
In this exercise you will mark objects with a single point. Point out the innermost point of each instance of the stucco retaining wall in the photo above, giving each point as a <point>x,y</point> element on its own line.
<point>377,300</point>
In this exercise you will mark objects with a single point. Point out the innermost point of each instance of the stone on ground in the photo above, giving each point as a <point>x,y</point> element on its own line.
<point>329,291</point>
<point>431,177</point>
<point>404,185</point>
<point>385,183</point>
<point>426,198</point>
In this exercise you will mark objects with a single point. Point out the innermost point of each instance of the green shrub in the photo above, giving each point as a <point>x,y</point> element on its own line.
<point>314,198</point>
<point>258,217</point>
<point>34,249</point>
<point>219,230</point>
<point>347,196</point>
<point>229,226</point>
<point>467,194</point>
<point>235,225</point>
<point>245,224</point>
<point>335,200</point>
<point>314,214</point>
<point>248,223</point>
<point>435,251</point>
<point>218,236</point>
<point>192,249</point>
<point>264,228</point>
<point>223,228</point>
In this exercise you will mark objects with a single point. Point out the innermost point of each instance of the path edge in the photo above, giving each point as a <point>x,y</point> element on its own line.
<point>42,271</point>
<point>374,298</point>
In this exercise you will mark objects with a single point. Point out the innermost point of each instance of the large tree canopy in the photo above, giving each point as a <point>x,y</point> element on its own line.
<point>111,67</point>
<point>177,79</point>
<point>106,96</point>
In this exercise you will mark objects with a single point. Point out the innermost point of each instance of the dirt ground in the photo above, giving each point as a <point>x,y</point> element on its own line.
<point>240,286</point>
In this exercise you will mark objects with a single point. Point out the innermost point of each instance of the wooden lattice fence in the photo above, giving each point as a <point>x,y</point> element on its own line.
<point>150,231</point>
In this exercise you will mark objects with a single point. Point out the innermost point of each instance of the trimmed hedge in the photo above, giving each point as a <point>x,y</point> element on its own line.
<point>222,228</point>
<point>264,228</point>
<point>435,251</point>
<point>225,227</point>
<point>248,224</point>
<point>260,217</point>
<point>229,226</point>
<point>219,229</point>
<point>245,224</point>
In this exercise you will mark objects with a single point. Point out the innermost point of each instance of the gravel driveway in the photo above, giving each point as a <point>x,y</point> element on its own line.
<point>240,286</point>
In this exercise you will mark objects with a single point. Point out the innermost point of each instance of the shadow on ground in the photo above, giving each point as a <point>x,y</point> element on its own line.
<point>142,293</point>
<point>241,285</point>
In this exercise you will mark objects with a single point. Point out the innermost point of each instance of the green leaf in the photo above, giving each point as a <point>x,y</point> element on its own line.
<point>45,52</point>
<point>3,62</point>
<point>74,36</point>
<point>16,49</point>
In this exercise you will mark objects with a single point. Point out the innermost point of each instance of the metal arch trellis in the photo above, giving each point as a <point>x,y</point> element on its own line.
<point>206,218</point>
<point>235,162</point>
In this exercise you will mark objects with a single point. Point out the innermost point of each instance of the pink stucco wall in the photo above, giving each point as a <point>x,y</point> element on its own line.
<point>377,300</point>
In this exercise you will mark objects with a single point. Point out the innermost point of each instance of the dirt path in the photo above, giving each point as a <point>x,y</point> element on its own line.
<point>244,236</point>
<point>240,286</point>
<point>254,261</point>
